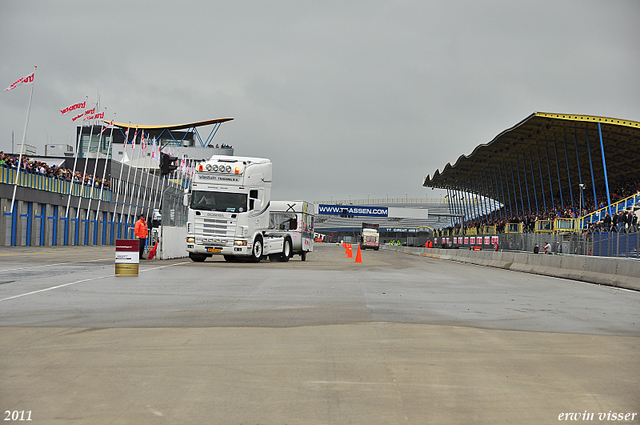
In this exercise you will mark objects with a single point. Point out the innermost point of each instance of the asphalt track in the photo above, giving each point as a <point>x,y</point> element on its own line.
<point>398,339</point>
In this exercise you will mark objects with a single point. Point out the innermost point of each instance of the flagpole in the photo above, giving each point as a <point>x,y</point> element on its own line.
<point>124,195</point>
<point>93,180</point>
<point>135,176</point>
<point>24,137</point>
<point>146,184</point>
<point>135,173</point>
<point>75,162</point>
<point>84,171</point>
<point>104,170</point>
<point>152,204</point>
<point>141,154</point>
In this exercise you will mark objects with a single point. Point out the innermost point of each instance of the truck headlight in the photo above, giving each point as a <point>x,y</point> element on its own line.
<point>191,240</point>
<point>241,243</point>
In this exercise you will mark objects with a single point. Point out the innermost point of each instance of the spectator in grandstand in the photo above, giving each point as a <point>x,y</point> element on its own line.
<point>39,167</point>
<point>607,223</point>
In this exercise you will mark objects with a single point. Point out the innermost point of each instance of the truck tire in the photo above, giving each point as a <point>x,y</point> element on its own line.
<point>286,250</point>
<point>303,256</point>
<point>257,250</point>
<point>197,258</point>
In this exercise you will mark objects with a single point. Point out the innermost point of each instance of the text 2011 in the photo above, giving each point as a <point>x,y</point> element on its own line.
<point>17,415</point>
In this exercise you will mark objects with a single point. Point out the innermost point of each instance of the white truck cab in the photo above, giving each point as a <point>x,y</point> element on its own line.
<point>297,219</point>
<point>229,205</point>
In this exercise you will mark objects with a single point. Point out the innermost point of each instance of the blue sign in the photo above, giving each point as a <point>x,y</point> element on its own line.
<point>354,210</point>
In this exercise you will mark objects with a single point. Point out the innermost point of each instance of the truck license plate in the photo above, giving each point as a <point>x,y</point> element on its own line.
<point>214,250</point>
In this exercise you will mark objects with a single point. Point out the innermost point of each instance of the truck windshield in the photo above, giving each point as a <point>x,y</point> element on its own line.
<point>219,201</point>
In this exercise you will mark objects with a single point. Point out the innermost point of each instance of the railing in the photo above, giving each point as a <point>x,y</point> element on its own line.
<point>599,214</point>
<point>53,184</point>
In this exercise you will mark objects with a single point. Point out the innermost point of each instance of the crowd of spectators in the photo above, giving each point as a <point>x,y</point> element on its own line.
<point>39,167</point>
<point>623,221</point>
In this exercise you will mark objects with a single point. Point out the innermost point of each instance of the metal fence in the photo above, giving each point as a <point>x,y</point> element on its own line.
<point>174,213</point>
<point>605,244</point>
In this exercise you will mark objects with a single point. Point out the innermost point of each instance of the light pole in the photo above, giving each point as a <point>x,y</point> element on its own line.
<point>582,186</point>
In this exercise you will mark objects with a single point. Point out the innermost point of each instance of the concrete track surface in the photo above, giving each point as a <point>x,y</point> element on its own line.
<point>398,339</point>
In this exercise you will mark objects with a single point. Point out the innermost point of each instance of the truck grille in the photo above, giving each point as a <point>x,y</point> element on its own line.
<point>208,228</point>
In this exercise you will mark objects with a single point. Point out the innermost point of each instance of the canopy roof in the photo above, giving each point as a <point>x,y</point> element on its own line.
<point>550,148</point>
<point>171,126</point>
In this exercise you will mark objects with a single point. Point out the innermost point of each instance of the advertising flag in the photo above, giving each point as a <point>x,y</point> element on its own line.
<point>154,148</point>
<point>133,141</point>
<point>79,105</point>
<point>143,142</point>
<point>99,116</point>
<point>110,125</point>
<point>24,80</point>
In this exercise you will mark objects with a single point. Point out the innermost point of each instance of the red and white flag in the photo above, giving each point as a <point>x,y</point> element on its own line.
<point>24,80</point>
<point>133,142</point>
<point>154,149</point>
<point>99,116</point>
<point>143,143</point>
<point>84,114</point>
<point>110,125</point>
<point>79,105</point>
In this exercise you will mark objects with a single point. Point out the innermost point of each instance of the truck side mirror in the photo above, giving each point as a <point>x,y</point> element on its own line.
<point>186,199</point>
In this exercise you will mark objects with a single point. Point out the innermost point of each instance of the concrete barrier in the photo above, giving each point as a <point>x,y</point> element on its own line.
<point>619,272</point>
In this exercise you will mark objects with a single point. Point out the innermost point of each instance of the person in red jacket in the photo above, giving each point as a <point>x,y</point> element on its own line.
<point>141,231</point>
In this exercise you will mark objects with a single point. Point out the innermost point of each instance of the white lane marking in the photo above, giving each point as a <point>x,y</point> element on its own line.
<point>55,264</point>
<point>52,288</point>
<point>81,281</point>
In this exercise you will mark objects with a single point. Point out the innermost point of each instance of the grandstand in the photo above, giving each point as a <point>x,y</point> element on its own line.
<point>553,175</point>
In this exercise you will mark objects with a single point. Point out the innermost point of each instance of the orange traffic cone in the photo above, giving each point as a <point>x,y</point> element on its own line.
<point>358,256</point>
<point>349,253</point>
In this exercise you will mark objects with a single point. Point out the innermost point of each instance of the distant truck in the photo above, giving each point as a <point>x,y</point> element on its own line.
<point>230,213</point>
<point>370,236</point>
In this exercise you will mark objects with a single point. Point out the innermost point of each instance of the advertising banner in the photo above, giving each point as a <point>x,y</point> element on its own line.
<point>361,211</point>
<point>127,257</point>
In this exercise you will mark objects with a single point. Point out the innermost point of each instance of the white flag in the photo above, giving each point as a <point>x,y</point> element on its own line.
<point>24,80</point>
<point>154,149</point>
<point>79,105</point>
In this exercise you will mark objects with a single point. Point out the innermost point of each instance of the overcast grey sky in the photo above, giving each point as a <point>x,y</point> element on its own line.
<point>347,98</point>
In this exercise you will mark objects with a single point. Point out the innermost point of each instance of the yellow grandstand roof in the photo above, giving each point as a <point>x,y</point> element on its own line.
<point>171,126</point>
<point>550,145</point>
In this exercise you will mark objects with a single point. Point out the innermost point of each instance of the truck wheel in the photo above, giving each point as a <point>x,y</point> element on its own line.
<point>256,252</point>
<point>286,250</point>
<point>197,258</point>
<point>303,256</point>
